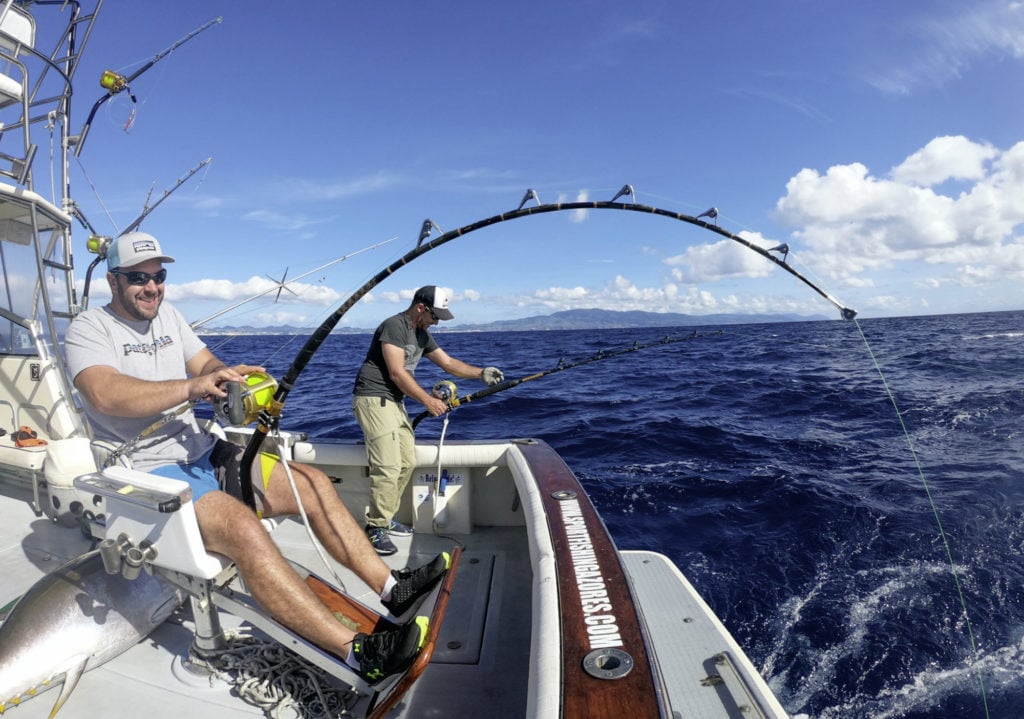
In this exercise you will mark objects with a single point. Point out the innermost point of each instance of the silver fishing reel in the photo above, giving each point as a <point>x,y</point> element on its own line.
<point>445,391</point>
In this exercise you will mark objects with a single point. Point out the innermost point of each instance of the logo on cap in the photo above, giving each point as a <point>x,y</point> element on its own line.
<point>134,248</point>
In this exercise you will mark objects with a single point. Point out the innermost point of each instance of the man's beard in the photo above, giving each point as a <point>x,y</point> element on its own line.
<point>131,308</point>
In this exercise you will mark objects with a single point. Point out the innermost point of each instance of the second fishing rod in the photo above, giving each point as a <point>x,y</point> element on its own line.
<point>446,390</point>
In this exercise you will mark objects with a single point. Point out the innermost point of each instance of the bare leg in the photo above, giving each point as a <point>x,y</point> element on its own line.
<point>335,527</point>
<point>230,528</point>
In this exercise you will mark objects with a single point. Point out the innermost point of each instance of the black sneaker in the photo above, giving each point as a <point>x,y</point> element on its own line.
<point>382,654</point>
<point>381,541</point>
<point>414,585</point>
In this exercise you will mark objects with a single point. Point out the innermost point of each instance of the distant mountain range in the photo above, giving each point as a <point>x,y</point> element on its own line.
<point>565,320</point>
<point>612,319</point>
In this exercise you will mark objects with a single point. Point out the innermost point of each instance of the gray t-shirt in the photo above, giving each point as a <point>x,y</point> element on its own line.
<point>373,379</point>
<point>154,351</point>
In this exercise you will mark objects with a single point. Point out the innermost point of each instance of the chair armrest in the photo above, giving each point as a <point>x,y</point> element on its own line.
<point>160,494</point>
<point>154,511</point>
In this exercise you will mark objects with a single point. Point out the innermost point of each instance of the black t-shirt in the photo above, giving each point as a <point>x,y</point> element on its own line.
<point>373,379</point>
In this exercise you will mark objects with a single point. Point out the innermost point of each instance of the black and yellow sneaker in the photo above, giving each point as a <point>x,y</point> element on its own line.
<point>414,585</point>
<point>382,654</point>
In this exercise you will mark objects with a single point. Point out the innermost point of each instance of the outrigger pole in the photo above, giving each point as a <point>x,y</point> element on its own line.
<point>561,366</point>
<point>147,208</point>
<point>269,418</point>
<point>284,285</point>
<point>99,245</point>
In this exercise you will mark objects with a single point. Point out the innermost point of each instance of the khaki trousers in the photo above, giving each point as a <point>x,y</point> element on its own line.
<point>390,451</point>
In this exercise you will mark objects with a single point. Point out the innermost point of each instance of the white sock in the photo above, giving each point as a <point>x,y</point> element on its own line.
<point>351,658</point>
<point>388,586</point>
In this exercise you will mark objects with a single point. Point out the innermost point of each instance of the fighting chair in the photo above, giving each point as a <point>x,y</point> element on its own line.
<point>150,524</point>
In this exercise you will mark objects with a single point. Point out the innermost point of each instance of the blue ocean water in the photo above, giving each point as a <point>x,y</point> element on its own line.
<point>770,464</point>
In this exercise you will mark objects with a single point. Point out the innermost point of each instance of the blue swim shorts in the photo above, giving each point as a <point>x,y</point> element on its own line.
<point>218,469</point>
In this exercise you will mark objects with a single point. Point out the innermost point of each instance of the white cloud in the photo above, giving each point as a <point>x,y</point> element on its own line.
<point>942,159</point>
<point>944,46</point>
<point>760,94</point>
<point>276,318</point>
<point>723,259</point>
<point>623,294</point>
<point>207,205</point>
<point>577,216</point>
<point>557,296</point>
<point>850,221</point>
<point>227,291</point>
<point>328,191</point>
<point>281,221</point>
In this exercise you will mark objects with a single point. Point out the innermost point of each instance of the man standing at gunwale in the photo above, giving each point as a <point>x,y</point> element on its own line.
<point>385,379</point>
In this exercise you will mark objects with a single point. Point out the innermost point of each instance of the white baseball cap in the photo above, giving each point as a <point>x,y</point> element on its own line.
<point>134,248</point>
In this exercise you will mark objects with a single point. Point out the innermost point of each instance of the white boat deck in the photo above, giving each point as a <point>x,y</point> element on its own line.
<point>482,656</point>
<point>713,677</point>
<point>478,651</point>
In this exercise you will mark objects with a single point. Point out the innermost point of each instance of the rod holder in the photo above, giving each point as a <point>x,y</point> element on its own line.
<point>110,552</point>
<point>134,559</point>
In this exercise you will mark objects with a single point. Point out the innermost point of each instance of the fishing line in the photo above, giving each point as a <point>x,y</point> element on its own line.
<point>96,194</point>
<point>935,511</point>
<point>439,500</point>
<point>302,513</point>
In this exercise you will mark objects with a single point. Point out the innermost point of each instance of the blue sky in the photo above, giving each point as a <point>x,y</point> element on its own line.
<point>882,141</point>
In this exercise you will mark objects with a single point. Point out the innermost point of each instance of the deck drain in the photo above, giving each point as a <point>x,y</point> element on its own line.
<point>608,663</point>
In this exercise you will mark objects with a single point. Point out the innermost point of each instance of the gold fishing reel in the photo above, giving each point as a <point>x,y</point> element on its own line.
<point>113,82</point>
<point>445,391</point>
<point>244,402</point>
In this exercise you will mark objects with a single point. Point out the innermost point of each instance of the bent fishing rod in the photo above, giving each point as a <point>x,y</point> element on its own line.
<point>269,417</point>
<point>562,365</point>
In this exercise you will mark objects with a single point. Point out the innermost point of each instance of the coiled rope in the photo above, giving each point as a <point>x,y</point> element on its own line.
<point>274,679</point>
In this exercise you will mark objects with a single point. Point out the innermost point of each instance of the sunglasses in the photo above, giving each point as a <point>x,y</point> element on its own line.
<point>432,314</point>
<point>141,279</point>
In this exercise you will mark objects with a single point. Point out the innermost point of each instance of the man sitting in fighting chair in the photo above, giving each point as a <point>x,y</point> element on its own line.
<point>136,358</point>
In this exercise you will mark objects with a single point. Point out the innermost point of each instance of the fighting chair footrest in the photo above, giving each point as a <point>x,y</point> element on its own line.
<point>358,617</point>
